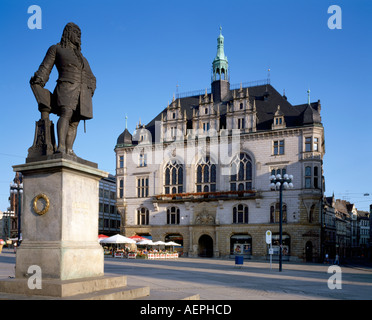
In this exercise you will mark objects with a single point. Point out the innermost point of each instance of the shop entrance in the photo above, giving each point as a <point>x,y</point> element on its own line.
<point>205,246</point>
<point>309,251</point>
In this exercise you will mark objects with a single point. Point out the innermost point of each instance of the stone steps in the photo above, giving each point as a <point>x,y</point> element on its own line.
<point>98,288</point>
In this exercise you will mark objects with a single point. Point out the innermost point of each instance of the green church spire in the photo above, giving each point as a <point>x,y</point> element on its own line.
<point>220,64</point>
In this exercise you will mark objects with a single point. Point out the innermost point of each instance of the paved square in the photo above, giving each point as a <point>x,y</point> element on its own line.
<point>218,279</point>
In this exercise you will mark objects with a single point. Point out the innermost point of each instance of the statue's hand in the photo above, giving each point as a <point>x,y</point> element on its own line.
<point>37,80</point>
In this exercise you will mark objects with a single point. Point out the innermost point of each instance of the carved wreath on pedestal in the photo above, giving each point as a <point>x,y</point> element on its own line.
<point>46,204</point>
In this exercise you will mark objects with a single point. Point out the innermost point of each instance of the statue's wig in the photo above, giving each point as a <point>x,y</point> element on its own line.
<point>66,35</point>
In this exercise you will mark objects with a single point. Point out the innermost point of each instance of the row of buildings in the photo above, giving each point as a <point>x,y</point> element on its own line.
<point>346,230</point>
<point>199,174</point>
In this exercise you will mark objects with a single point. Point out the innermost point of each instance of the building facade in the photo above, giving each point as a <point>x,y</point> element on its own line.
<point>109,219</point>
<point>199,172</point>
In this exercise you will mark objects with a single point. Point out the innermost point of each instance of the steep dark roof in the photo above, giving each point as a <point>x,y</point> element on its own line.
<point>267,100</point>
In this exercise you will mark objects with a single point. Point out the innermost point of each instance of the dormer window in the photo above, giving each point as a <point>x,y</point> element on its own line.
<point>278,122</point>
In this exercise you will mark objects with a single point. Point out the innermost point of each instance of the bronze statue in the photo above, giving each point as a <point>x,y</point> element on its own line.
<point>72,96</point>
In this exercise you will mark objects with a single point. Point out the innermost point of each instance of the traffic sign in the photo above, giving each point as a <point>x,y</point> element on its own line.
<point>268,236</point>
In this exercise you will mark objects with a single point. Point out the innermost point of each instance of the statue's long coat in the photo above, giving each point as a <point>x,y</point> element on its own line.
<point>76,83</point>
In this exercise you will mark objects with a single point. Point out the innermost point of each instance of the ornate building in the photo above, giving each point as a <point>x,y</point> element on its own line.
<point>199,172</point>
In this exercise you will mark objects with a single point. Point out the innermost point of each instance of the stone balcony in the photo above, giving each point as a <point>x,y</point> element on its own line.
<point>207,196</point>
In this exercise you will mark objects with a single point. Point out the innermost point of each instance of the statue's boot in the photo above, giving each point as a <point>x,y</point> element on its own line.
<point>71,136</point>
<point>62,127</point>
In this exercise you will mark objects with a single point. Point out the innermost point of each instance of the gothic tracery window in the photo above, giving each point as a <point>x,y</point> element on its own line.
<point>241,173</point>
<point>206,175</point>
<point>173,177</point>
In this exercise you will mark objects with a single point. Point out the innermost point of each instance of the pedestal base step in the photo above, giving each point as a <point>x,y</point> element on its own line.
<point>124,293</point>
<point>99,288</point>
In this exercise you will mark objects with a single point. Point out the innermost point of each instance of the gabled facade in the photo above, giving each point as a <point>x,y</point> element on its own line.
<point>199,171</point>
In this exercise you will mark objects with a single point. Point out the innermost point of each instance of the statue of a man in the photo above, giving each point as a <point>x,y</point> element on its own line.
<point>72,96</point>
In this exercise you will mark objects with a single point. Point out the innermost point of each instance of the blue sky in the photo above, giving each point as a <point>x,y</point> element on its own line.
<point>141,50</point>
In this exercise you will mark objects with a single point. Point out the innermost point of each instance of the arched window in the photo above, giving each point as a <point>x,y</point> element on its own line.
<point>206,175</point>
<point>241,173</point>
<point>142,216</point>
<point>173,215</point>
<point>275,213</point>
<point>240,214</point>
<point>173,177</point>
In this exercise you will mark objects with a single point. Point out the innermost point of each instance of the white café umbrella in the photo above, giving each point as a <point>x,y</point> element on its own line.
<point>159,243</point>
<point>145,242</point>
<point>118,238</point>
<point>172,243</point>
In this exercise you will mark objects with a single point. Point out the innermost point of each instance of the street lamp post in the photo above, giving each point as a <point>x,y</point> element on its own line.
<point>278,183</point>
<point>17,189</point>
<point>6,227</point>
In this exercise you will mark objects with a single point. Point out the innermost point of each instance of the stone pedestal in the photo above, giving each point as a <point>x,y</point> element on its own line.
<point>60,220</point>
<point>60,235</point>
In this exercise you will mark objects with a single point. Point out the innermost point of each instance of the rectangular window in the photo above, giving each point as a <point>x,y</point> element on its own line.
<point>241,123</point>
<point>281,171</point>
<point>121,162</point>
<point>143,160</point>
<point>316,144</point>
<point>316,177</point>
<point>307,177</point>
<point>142,187</point>
<point>106,208</point>
<point>121,188</point>
<point>278,147</point>
<point>308,143</point>
<point>173,132</point>
<point>205,126</point>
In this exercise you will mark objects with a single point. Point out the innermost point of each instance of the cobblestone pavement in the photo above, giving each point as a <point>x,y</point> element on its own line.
<point>219,279</point>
